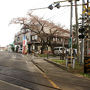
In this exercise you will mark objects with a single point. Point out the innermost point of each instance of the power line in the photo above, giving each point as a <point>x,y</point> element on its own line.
<point>54,7</point>
<point>38,8</point>
<point>59,13</point>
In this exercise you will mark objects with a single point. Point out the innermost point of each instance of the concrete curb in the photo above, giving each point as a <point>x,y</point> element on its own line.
<point>58,65</point>
<point>37,65</point>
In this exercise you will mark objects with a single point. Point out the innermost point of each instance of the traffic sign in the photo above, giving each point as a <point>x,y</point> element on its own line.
<point>84,7</point>
<point>86,10</point>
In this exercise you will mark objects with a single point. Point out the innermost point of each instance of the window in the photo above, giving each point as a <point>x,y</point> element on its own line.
<point>56,48</point>
<point>34,37</point>
<point>18,38</point>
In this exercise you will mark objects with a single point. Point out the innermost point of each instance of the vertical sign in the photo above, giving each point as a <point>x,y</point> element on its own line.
<point>24,45</point>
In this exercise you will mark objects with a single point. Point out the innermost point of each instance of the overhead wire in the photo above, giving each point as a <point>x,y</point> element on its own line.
<point>60,6</point>
<point>58,13</point>
<point>54,7</point>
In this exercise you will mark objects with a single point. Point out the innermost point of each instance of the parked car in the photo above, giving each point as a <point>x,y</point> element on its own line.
<point>58,50</point>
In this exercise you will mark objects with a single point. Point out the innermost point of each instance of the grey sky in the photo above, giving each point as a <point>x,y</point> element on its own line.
<point>18,8</point>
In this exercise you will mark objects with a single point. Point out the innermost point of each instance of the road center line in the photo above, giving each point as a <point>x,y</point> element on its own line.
<point>50,81</point>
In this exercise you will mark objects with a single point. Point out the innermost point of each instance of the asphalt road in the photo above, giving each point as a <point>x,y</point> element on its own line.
<point>62,78</point>
<point>17,72</point>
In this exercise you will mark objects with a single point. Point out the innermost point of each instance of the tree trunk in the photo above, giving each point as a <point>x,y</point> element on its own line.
<point>43,47</point>
<point>52,48</point>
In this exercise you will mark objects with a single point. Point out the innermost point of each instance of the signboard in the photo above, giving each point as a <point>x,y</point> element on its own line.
<point>86,10</point>
<point>70,42</point>
<point>24,51</point>
<point>86,64</point>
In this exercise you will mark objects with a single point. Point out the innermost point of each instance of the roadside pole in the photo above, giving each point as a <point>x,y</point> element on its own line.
<point>82,41</point>
<point>77,39</point>
<point>47,52</point>
<point>86,40</point>
<point>73,66</point>
<point>71,15</point>
<point>87,29</point>
<point>66,62</point>
<point>47,48</point>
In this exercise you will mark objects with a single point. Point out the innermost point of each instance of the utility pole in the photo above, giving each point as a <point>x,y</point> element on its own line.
<point>86,53</point>
<point>82,40</point>
<point>71,15</point>
<point>87,28</point>
<point>88,31</point>
<point>88,46</point>
<point>77,39</point>
<point>86,39</point>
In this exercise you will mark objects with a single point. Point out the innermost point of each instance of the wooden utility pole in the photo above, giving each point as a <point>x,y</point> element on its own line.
<point>71,15</point>
<point>86,39</point>
<point>82,40</point>
<point>77,39</point>
<point>88,32</point>
<point>87,28</point>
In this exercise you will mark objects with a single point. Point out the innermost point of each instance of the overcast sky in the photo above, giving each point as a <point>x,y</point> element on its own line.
<point>10,9</point>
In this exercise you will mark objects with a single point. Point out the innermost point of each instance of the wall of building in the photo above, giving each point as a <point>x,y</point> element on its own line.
<point>33,41</point>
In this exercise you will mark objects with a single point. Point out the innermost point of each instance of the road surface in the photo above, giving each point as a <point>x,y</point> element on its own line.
<point>26,72</point>
<point>17,72</point>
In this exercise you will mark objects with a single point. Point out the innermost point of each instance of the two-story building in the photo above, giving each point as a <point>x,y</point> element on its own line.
<point>31,37</point>
<point>33,40</point>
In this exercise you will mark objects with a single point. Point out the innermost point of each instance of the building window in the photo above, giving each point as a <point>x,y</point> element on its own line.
<point>18,38</point>
<point>34,37</point>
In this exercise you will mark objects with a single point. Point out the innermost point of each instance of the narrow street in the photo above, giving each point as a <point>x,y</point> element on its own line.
<point>45,45</point>
<point>17,69</point>
<point>62,78</point>
<point>26,72</point>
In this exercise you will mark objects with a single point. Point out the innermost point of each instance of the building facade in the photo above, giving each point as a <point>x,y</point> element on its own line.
<point>33,40</point>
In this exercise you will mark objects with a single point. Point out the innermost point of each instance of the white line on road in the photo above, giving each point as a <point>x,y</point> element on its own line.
<point>10,86</point>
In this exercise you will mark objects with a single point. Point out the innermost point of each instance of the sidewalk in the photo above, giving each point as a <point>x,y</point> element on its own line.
<point>7,86</point>
<point>64,79</point>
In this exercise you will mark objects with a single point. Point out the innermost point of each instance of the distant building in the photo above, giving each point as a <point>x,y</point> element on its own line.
<point>33,40</point>
<point>2,48</point>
